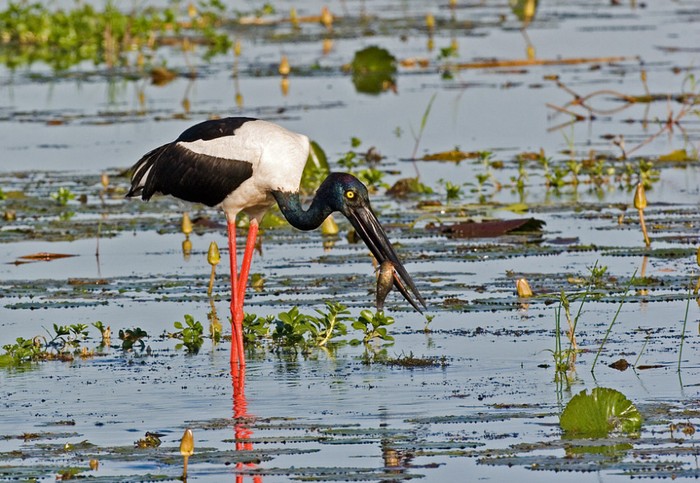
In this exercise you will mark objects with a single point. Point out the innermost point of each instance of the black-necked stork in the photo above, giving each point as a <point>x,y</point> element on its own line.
<point>245,164</point>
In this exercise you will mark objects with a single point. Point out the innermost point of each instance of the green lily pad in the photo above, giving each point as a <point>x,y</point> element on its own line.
<point>373,70</point>
<point>599,413</point>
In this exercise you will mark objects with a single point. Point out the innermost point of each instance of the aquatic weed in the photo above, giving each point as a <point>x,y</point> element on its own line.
<point>256,329</point>
<point>374,326</point>
<point>191,333</point>
<point>329,325</point>
<point>63,196</point>
<point>290,329</point>
<point>63,38</point>
<point>132,337</point>
<point>22,351</point>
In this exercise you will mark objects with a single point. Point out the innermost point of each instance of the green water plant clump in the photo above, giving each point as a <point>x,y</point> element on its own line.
<point>296,330</point>
<point>191,333</point>
<point>62,38</point>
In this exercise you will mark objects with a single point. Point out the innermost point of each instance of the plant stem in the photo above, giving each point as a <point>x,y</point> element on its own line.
<point>646,341</point>
<point>329,332</point>
<point>607,333</point>
<point>211,280</point>
<point>557,336</point>
<point>685,323</point>
<point>647,242</point>
<point>418,137</point>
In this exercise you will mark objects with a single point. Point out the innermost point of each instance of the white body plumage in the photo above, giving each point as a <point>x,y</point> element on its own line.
<point>239,161</point>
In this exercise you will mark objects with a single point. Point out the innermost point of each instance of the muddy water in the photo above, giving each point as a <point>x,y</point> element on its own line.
<point>490,409</point>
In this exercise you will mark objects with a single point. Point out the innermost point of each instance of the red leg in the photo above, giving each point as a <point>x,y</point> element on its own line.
<point>247,260</point>
<point>243,281</point>
<point>231,225</point>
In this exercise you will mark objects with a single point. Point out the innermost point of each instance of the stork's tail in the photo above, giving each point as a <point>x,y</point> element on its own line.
<point>140,185</point>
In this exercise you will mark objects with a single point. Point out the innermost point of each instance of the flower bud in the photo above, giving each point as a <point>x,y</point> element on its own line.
<point>326,17</point>
<point>430,21</point>
<point>187,443</point>
<point>191,10</point>
<point>186,224</point>
<point>329,227</point>
<point>523,288</point>
<point>213,256</point>
<point>284,68</point>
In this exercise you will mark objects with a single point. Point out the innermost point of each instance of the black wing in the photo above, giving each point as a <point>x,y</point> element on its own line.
<point>173,169</point>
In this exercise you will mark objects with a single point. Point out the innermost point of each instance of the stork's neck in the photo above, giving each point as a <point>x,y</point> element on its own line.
<point>296,215</point>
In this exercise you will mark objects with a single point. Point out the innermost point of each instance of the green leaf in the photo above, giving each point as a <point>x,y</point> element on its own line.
<point>679,155</point>
<point>373,70</point>
<point>316,169</point>
<point>270,220</point>
<point>599,413</point>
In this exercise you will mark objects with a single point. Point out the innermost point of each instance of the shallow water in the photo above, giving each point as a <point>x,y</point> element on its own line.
<point>329,416</point>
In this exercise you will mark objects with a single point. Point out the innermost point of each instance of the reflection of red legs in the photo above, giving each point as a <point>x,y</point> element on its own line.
<point>241,429</point>
<point>238,286</point>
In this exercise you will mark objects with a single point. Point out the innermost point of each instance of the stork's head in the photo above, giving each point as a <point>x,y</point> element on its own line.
<point>345,193</point>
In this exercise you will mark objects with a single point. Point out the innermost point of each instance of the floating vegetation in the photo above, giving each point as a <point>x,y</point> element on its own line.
<point>373,70</point>
<point>191,334</point>
<point>62,38</point>
<point>600,413</point>
<point>409,361</point>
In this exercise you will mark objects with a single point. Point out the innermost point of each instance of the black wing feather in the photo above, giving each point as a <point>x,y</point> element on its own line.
<point>213,128</point>
<point>174,170</point>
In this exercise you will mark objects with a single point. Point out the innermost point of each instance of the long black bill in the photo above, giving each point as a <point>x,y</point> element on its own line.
<point>369,229</point>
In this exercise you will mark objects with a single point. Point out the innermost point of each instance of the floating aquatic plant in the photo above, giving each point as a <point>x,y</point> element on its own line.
<point>191,334</point>
<point>373,70</point>
<point>600,413</point>
<point>63,38</point>
<point>131,337</point>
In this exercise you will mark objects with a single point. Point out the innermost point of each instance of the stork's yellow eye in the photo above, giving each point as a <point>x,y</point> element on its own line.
<point>349,194</point>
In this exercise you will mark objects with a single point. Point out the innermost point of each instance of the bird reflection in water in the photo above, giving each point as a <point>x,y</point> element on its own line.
<point>241,421</point>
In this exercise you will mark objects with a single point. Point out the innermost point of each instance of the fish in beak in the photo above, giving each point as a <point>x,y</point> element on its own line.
<point>370,230</point>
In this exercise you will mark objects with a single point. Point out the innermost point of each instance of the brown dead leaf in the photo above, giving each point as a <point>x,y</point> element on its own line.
<point>454,156</point>
<point>620,365</point>
<point>649,366</point>
<point>88,281</point>
<point>493,228</point>
<point>161,76</point>
<point>42,257</point>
